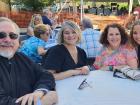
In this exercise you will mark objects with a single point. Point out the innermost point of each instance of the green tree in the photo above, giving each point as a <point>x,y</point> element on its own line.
<point>135,2</point>
<point>7,2</point>
<point>35,5</point>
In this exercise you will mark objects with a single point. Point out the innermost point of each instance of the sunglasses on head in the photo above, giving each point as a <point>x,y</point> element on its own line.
<point>11,35</point>
<point>43,32</point>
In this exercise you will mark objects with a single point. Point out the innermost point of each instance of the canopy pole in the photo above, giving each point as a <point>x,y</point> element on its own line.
<point>139,2</point>
<point>130,6</point>
<point>81,18</point>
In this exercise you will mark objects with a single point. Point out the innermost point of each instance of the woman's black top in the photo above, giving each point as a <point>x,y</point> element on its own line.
<point>58,58</point>
<point>138,53</point>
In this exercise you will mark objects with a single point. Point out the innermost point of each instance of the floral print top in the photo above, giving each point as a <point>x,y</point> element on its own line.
<point>117,57</point>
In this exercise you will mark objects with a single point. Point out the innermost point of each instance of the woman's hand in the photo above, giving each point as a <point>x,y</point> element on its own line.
<point>83,70</point>
<point>41,50</point>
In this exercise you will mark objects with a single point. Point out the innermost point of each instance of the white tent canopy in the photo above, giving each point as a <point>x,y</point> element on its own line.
<point>130,6</point>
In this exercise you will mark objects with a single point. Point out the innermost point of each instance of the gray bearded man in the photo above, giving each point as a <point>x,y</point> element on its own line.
<point>22,82</point>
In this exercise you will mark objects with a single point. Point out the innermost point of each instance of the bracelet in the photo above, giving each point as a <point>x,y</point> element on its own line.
<point>91,68</point>
<point>111,68</point>
<point>44,91</point>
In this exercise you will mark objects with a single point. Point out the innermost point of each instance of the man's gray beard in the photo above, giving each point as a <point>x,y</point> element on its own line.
<point>7,54</point>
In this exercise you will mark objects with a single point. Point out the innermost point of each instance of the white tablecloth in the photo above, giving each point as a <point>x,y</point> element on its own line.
<point>105,90</point>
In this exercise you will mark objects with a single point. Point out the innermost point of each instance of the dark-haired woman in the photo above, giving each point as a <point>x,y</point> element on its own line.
<point>116,51</point>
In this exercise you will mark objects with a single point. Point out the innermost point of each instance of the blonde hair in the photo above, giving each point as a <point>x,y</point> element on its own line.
<point>40,29</point>
<point>34,16</point>
<point>72,25</point>
<point>4,19</point>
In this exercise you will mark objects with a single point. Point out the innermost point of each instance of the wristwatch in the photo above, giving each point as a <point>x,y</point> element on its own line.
<point>44,92</point>
<point>111,68</point>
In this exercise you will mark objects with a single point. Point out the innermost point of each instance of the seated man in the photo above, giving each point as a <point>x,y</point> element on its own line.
<point>21,81</point>
<point>90,40</point>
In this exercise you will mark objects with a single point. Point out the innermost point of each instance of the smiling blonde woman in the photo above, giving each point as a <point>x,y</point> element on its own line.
<point>66,59</point>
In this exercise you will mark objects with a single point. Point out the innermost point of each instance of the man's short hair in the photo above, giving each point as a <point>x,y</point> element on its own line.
<point>4,19</point>
<point>87,23</point>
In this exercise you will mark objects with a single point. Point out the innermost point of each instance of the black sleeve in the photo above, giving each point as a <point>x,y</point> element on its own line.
<point>85,57</point>
<point>44,79</point>
<point>54,59</point>
<point>5,99</point>
<point>40,78</point>
<point>138,54</point>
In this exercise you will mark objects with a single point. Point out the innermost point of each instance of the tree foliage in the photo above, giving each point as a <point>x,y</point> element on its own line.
<point>35,5</point>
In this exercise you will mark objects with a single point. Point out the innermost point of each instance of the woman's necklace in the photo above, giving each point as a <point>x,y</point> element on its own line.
<point>112,51</point>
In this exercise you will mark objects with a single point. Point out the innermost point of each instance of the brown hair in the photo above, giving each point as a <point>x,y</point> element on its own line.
<point>134,43</point>
<point>123,33</point>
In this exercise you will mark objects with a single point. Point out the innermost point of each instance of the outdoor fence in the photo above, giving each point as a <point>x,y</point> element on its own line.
<point>23,18</point>
<point>68,16</point>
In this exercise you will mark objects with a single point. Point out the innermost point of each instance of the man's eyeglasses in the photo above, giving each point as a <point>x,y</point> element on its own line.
<point>84,84</point>
<point>11,35</point>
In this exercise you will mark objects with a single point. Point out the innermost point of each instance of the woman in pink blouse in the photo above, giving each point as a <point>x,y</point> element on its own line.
<point>116,51</point>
